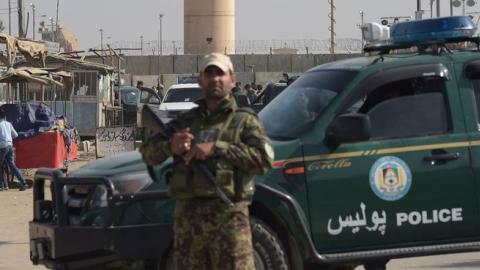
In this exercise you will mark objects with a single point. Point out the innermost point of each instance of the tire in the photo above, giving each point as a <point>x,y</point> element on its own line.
<point>376,265</point>
<point>268,250</point>
<point>167,262</point>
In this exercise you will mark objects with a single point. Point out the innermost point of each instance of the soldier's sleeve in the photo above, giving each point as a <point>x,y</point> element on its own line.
<point>254,153</point>
<point>157,148</point>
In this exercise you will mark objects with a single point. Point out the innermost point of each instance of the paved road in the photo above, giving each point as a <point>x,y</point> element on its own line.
<point>16,211</point>
<point>463,261</point>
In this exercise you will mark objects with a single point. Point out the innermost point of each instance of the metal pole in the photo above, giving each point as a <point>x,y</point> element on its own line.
<point>451,7</point>
<point>33,26</point>
<point>431,8</point>
<point>53,32</point>
<point>9,18</point>
<point>56,20</point>
<point>438,8</point>
<point>160,37</point>
<point>101,40</point>
<point>361,25</point>
<point>419,12</point>
<point>21,19</point>
<point>332,26</point>
<point>141,45</point>
<point>101,43</point>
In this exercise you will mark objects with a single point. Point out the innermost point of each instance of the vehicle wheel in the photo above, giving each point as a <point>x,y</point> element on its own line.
<point>344,267</point>
<point>268,250</point>
<point>166,263</point>
<point>377,265</point>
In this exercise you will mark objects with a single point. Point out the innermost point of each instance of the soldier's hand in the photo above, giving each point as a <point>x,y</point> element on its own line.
<point>181,142</point>
<point>200,151</point>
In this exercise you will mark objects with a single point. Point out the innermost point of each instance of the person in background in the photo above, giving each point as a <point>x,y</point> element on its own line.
<point>250,93</point>
<point>259,89</point>
<point>253,86</point>
<point>237,88</point>
<point>7,154</point>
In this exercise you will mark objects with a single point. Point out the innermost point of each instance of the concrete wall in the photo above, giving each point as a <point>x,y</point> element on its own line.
<point>248,68</point>
<point>188,64</point>
<point>148,80</point>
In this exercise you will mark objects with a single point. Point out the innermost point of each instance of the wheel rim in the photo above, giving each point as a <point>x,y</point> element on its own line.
<point>259,265</point>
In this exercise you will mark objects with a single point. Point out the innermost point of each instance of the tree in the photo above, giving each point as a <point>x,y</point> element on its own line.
<point>2,27</point>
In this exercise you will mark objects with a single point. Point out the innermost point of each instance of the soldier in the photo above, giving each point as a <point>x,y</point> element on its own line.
<point>231,143</point>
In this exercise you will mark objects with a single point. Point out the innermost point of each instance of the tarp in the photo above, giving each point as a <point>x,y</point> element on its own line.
<point>30,49</point>
<point>30,119</point>
<point>45,76</point>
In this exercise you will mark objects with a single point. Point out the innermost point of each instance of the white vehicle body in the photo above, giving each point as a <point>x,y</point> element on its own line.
<point>179,98</point>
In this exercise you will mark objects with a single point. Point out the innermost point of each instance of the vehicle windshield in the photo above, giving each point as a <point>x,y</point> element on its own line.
<point>295,110</point>
<point>183,95</point>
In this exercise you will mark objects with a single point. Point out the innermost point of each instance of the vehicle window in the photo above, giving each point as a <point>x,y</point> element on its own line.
<point>406,108</point>
<point>476,95</point>
<point>271,91</point>
<point>145,96</point>
<point>295,110</point>
<point>130,97</point>
<point>183,95</point>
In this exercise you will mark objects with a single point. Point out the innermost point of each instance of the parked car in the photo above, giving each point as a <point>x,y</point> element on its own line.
<point>148,97</point>
<point>133,100</point>
<point>179,98</point>
<point>376,158</point>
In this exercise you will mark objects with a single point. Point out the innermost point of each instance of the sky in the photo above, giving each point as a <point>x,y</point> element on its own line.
<point>127,20</point>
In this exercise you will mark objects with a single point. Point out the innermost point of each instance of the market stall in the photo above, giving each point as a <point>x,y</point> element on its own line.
<point>44,140</point>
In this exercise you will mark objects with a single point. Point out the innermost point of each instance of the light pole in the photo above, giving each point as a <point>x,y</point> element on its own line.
<point>33,18</point>
<point>419,11</point>
<point>101,40</point>
<point>160,38</point>
<point>53,33</point>
<point>141,45</point>
<point>361,24</point>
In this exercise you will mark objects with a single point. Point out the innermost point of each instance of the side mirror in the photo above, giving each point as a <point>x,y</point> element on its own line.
<point>349,127</point>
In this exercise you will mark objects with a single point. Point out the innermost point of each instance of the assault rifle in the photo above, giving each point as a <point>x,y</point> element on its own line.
<point>154,126</point>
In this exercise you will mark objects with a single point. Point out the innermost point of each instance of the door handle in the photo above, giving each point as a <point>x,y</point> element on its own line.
<point>443,157</point>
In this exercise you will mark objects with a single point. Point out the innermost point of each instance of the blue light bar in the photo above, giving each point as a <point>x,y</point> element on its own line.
<point>432,29</point>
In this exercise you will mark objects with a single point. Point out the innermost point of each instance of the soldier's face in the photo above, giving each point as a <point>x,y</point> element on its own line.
<point>215,83</point>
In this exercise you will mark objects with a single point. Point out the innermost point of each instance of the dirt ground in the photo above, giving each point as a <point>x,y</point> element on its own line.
<point>15,214</point>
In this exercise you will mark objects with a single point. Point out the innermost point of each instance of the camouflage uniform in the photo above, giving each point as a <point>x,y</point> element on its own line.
<point>208,234</point>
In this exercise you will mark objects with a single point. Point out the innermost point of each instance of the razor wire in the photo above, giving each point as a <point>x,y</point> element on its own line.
<point>298,46</point>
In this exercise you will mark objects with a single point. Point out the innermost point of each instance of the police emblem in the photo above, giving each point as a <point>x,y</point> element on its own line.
<point>390,178</point>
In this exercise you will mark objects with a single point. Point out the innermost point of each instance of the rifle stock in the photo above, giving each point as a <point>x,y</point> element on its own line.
<point>152,123</point>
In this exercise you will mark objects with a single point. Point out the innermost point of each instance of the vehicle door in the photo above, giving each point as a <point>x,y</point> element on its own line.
<point>147,97</point>
<point>468,75</point>
<point>405,180</point>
